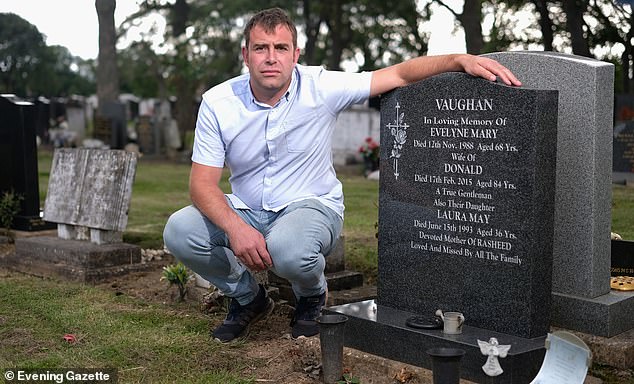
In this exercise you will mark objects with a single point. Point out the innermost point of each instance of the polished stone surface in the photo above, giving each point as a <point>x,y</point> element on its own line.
<point>466,202</point>
<point>382,331</point>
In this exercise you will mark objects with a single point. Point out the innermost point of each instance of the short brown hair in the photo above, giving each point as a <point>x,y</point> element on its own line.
<point>269,19</point>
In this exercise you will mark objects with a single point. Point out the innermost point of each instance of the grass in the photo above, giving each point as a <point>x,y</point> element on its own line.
<point>623,211</point>
<point>144,342</point>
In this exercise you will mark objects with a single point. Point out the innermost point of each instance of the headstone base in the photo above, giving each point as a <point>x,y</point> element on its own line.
<point>607,315</point>
<point>382,331</point>
<point>337,281</point>
<point>73,260</point>
<point>31,223</point>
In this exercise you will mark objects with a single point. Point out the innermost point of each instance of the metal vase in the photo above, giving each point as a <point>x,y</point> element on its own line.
<point>331,338</point>
<point>445,363</point>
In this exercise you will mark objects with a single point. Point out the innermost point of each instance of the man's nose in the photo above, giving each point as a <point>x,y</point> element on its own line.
<point>271,55</point>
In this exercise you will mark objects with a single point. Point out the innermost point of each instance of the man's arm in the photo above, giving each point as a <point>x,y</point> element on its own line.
<point>410,71</point>
<point>246,243</point>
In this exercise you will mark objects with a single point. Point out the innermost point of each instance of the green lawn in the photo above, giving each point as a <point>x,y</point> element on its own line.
<point>146,343</point>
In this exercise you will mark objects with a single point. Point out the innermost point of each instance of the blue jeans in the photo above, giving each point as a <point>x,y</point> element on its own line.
<point>297,238</point>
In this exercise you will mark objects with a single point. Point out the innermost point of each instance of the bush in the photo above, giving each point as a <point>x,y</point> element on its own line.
<point>9,207</point>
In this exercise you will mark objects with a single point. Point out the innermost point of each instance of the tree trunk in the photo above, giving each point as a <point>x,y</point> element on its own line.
<point>338,35</point>
<point>545,24</point>
<point>184,113</point>
<point>312,25</point>
<point>471,20</point>
<point>574,25</point>
<point>107,71</point>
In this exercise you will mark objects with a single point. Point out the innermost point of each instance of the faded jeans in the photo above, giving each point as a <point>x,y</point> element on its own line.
<point>297,238</point>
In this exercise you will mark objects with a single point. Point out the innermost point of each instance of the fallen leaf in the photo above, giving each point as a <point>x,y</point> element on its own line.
<point>403,376</point>
<point>70,338</point>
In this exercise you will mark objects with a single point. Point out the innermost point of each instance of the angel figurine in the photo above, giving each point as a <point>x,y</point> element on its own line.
<point>493,350</point>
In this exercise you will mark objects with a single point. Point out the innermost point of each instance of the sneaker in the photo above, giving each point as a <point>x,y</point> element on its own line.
<point>306,312</point>
<point>240,317</point>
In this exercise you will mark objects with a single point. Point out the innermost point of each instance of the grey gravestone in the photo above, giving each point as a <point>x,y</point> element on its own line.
<point>582,299</point>
<point>90,188</point>
<point>76,117</point>
<point>466,208</point>
<point>88,196</point>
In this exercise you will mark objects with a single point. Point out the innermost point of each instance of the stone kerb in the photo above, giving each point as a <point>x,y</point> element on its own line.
<point>89,193</point>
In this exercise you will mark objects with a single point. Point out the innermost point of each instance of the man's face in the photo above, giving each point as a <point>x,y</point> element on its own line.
<point>270,59</point>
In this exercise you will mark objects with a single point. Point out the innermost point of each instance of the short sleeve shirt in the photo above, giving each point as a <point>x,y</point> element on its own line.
<point>278,154</point>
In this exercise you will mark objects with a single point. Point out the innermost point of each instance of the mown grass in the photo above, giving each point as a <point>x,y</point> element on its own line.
<point>145,342</point>
<point>623,211</point>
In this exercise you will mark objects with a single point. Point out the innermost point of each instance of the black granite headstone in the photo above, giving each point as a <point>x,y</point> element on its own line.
<point>18,156</point>
<point>622,258</point>
<point>115,113</point>
<point>466,202</point>
<point>466,206</point>
<point>42,118</point>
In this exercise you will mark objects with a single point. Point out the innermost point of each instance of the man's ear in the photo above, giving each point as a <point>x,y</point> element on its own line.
<point>245,55</point>
<point>297,53</point>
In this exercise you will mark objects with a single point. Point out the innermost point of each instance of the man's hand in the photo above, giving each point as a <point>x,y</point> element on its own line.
<point>249,247</point>
<point>246,243</point>
<point>487,68</point>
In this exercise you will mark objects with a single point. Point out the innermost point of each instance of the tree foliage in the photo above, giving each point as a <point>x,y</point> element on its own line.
<point>201,45</point>
<point>28,67</point>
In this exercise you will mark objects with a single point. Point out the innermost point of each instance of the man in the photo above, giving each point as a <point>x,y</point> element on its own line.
<point>273,129</point>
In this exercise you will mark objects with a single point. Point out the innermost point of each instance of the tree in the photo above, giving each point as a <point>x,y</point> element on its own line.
<point>21,50</point>
<point>142,71</point>
<point>30,68</point>
<point>471,20</point>
<point>545,24</point>
<point>107,70</point>
<point>576,26</point>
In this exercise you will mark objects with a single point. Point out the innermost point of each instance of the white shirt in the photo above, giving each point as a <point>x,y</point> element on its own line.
<point>280,154</point>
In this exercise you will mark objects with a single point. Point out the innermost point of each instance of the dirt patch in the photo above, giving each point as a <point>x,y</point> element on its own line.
<point>269,354</point>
